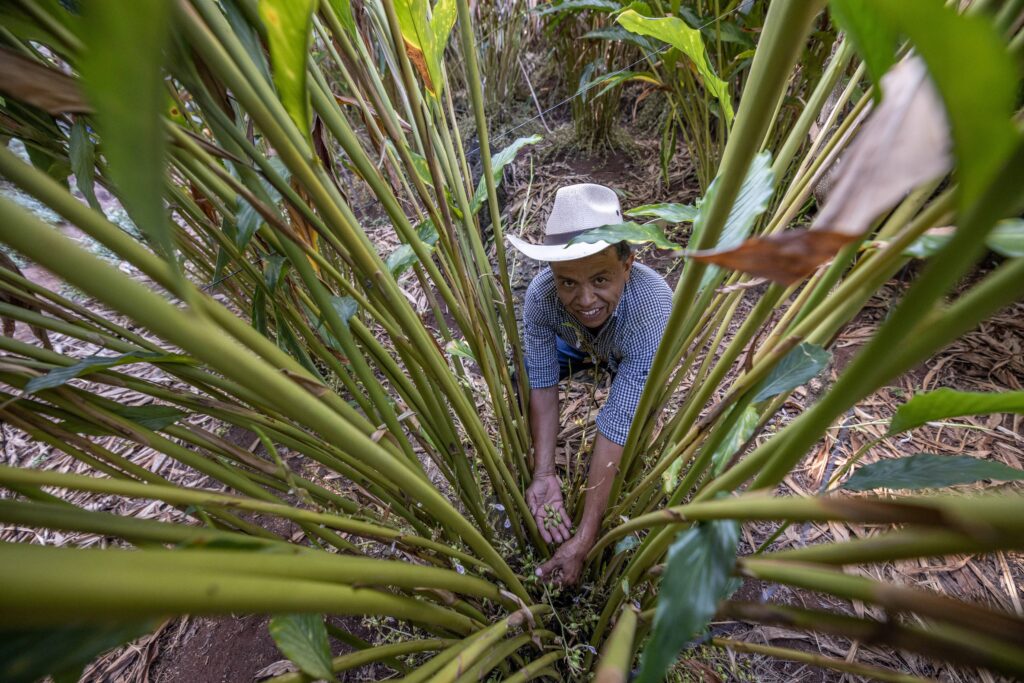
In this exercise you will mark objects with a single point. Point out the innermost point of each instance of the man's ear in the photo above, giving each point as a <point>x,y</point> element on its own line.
<point>628,263</point>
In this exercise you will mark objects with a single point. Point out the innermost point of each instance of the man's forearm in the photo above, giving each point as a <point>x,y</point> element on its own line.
<point>604,465</point>
<point>544,429</point>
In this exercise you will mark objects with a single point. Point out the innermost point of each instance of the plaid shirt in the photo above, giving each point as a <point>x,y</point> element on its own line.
<point>626,342</point>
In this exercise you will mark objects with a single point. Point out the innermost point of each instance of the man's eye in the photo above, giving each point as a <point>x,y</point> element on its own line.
<point>600,281</point>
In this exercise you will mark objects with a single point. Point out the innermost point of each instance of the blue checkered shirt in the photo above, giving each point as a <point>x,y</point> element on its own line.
<point>626,342</point>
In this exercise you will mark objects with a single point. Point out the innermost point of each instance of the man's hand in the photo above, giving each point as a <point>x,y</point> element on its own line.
<point>567,564</point>
<point>544,498</point>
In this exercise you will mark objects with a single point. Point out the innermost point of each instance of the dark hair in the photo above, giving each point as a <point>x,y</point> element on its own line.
<point>623,250</point>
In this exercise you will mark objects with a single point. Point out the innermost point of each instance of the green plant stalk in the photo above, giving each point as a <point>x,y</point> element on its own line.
<point>473,79</point>
<point>979,516</point>
<point>59,254</point>
<point>940,642</point>
<point>778,50</point>
<point>490,659</point>
<point>996,625</point>
<point>617,654</point>
<point>536,668</point>
<point>40,593</point>
<point>179,496</point>
<point>377,653</point>
<point>900,545</point>
<point>872,672</point>
<point>67,517</point>
<point>866,372</point>
<point>798,133</point>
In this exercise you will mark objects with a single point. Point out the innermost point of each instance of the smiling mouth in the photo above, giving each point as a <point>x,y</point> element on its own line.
<point>590,313</point>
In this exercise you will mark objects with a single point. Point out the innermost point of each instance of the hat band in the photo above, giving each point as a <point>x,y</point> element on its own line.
<point>560,238</point>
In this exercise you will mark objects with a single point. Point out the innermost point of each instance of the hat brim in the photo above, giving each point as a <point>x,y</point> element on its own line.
<point>558,252</point>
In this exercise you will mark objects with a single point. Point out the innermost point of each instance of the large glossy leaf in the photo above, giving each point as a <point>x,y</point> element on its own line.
<point>302,638</point>
<point>289,25</point>
<point>927,471</point>
<point>498,163</point>
<point>91,364</point>
<point>675,32</point>
<point>943,403</point>
<point>671,213</point>
<point>83,162</point>
<point>976,77</point>
<point>696,578</point>
<point>63,651</point>
<point>797,367</point>
<point>634,233</point>
<point>154,417</point>
<point>129,95</point>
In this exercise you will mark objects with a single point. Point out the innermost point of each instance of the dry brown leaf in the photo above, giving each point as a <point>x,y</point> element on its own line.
<point>905,142</point>
<point>784,258</point>
<point>29,81</point>
<point>420,62</point>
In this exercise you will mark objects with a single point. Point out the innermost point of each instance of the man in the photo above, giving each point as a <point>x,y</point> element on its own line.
<point>592,303</point>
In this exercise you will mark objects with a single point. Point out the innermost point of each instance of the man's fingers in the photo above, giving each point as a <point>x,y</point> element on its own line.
<point>545,533</point>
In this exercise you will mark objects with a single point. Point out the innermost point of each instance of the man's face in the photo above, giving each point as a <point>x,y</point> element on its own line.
<point>590,288</point>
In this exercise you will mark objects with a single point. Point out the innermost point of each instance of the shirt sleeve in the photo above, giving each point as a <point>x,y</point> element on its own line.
<point>539,344</point>
<point>639,346</point>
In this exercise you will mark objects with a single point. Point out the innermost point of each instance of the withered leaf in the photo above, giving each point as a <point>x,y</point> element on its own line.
<point>29,81</point>
<point>420,62</point>
<point>785,258</point>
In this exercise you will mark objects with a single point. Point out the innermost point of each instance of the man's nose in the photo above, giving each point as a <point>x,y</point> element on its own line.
<point>586,296</point>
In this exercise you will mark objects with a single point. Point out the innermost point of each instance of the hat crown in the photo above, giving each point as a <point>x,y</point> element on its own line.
<point>583,207</point>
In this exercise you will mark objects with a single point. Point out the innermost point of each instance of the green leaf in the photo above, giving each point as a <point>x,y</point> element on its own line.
<point>875,41</point>
<point>755,193</point>
<point>675,32</point>
<point>626,544</point>
<point>737,436</point>
<point>56,168</point>
<point>302,638</point>
<point>671,213</point>
<point>83,162</point>
<point>634,233</point>
<point>420,164</point>
<point>577,6</point>
<point>498,163</point>
<point>927,471</point>
<point>28,655</point>
<point>401,259</point>
<point>345,306</point>
<point>289,343</point>
<point>976,77</point>
<point>273,270</point>
<point>129,97</point>
<point>425,39</point>
<point>460,348</point>
<point>610,80</point>
<point>289,25</point>
<point>797,367</point>
<point>943,403</point>
<point>259,311</point>
<point>617,33</point>
<point>91,364</point>
<point>696,578</point>
<point>154,417</point>
<point>343,10</point>
<point>1007,238</point>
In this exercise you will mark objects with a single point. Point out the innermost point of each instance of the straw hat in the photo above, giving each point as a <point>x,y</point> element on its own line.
<point>577,209</point>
